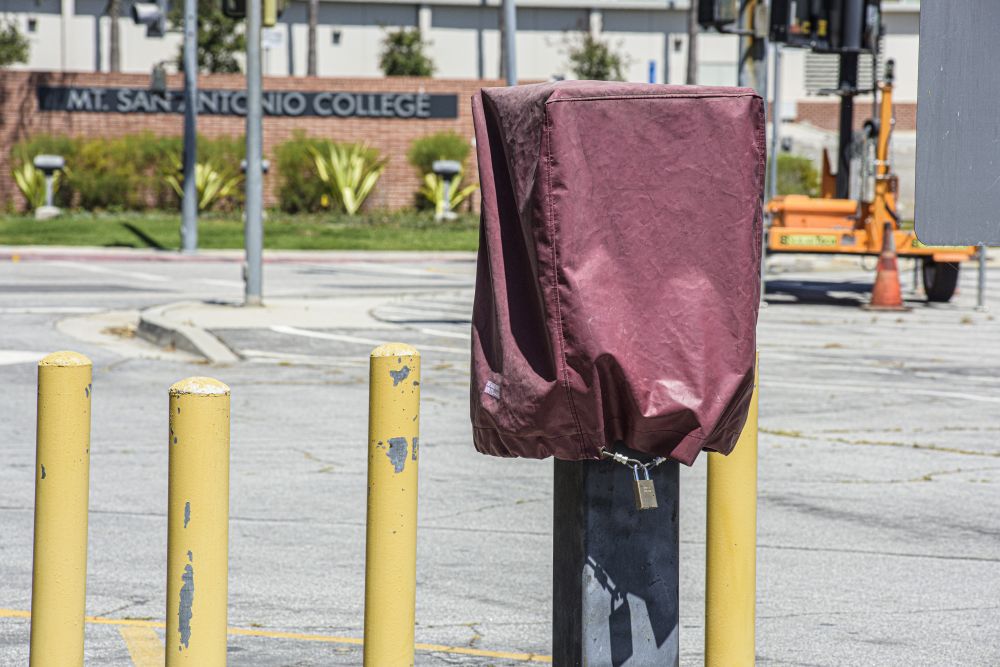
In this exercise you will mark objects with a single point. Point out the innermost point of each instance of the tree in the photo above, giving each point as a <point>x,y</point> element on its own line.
<point>14,47</point>
<point>114,40</point>
<point>313,19</point>
<point>403,54</point>
<point>220,38</point>
<point>591,58</point>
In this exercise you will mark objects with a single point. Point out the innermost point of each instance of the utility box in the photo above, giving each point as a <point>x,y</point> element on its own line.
<point>618,280</point>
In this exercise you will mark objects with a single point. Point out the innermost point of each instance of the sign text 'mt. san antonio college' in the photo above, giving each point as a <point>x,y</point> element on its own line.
<point>234,102</point>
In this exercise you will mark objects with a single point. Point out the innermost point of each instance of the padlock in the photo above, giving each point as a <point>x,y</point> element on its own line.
<point>643,489</point>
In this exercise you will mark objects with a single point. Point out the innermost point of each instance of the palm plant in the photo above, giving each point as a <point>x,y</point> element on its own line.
<point>350,172</point>
<point>31,182</point>
<point>210,182</point>
<point>433,188</point>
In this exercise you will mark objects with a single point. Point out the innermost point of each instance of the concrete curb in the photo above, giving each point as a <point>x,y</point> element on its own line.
<point>157,327</point>
<point>93,254</point>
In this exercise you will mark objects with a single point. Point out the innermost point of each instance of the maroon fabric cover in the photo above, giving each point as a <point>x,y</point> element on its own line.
<point>618,278</point>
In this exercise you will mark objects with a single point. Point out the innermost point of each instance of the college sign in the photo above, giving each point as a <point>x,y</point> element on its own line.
<point>287,103</point>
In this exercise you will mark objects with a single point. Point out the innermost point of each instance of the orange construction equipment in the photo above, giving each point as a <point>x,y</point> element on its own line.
<point>886,293</point>
<point>829,224</point>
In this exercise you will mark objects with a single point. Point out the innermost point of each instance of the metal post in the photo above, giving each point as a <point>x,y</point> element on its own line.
<point>981,279</point>
<point>254,231</point>
<point>753,46</point>
<point>189,205</point>
<point>775,123</point>
<point>49,177</point>
<point>62,483</point>
<point>198,523</point>
<point>848,86</point>
<point>731,549</point>
<point>391,542</point>
<point>446,214</point>
<point>615,568</point>
<point>510,41</point>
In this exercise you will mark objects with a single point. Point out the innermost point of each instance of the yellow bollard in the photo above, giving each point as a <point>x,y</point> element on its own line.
<point>62,485</point>
<point>731,550</point>
<point>391,547</point>
<point>198,524</point>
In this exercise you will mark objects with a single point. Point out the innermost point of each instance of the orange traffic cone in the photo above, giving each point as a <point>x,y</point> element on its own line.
<point>886,293</point>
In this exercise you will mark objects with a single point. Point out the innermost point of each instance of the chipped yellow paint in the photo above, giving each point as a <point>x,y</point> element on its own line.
<point>62,483</point>
<point>143,644</point>
<point>391,544</point>
<point>731,549</point>
<point>198,523</point>
<point>309,637</point>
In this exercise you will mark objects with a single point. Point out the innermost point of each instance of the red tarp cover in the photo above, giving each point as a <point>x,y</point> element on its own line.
<point>618,278</point>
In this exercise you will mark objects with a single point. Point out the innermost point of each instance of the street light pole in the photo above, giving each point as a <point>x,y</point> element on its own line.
<point>510,41</point>
<point>254,233</point>
<point>189,206</point>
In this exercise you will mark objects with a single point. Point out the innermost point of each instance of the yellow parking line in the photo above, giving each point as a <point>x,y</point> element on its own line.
<point>143,644</point>
<point>298,636</point>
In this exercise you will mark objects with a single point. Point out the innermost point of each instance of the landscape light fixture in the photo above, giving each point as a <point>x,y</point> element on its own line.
<point>48,165</point>
<point>447,170</point>
<point>153,15</point>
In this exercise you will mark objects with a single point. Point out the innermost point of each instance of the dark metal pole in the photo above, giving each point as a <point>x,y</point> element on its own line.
<point>189,205</point>
<point>981,279</point>
<point>254,232</point>
<point>615,568</point>
<point>848,85</point>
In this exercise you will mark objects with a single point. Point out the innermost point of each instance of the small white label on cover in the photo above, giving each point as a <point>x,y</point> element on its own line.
<point>492,388</point>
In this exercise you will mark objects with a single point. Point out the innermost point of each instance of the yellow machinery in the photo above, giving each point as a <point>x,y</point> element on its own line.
<point>828,224</point>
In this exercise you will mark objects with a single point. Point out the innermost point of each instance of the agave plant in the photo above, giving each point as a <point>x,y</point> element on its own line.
<point>210,182</point>
<point>31,182</point>
<point>432,190</point>
<point>350,171</point>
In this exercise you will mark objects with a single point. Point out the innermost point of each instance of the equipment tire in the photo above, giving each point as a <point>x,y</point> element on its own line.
<point>940,280</point>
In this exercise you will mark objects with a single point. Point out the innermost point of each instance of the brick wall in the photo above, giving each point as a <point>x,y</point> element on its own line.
<point>826,115</point>
<point>20,118</point>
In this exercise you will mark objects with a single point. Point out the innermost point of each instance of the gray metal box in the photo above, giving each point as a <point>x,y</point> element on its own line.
<point>958,123</point>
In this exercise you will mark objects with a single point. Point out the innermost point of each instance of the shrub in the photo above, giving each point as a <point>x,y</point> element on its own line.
<point>350,172</point>
<point>212,183</point>
<point>594,59</point>
<point>123,173</point>
<point>796,175</point>
<point>403,54</point>
<point>438,146</point>
<point>433,191</point>
<point>300,189</point>
<point>31,182</point>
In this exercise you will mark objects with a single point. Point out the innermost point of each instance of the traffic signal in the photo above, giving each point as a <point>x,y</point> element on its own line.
<point>831,26</point>
<point>153,15</point>
<point>718,13</point>
<point>270,10</point>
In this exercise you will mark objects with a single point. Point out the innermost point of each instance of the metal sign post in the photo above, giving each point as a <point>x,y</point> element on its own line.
<point>189,206</point>
<point>615,568</point>
<point>254,232</point>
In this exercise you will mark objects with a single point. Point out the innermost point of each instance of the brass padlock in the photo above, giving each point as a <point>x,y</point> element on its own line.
<point>643,489</point>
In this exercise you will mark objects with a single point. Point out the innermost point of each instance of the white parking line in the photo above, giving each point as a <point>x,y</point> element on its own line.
<point>10,357</point>
<point>93,268</point>
<point>46,310</point>
<point>882,389</point>
<point>295,331</point>
<point>446,334</point>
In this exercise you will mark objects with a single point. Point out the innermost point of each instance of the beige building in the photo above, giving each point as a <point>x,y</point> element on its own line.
<point>464,36</point>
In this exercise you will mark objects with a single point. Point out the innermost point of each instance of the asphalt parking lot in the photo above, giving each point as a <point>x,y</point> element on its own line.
<point>879,466</point>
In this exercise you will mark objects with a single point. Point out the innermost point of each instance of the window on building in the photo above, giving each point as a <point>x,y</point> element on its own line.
<point>335,38</point>
<point>32,24</point>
